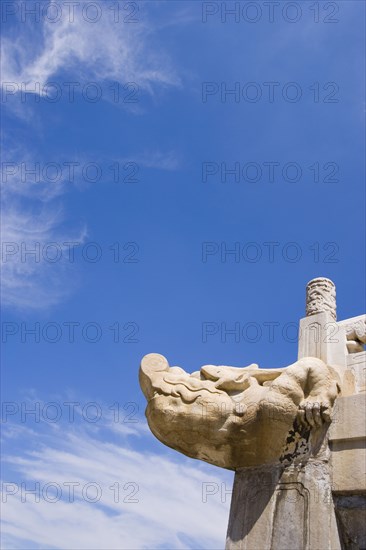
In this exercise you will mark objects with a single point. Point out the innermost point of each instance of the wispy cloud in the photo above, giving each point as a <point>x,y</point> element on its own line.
<point>30,241</point>
<point>108,49</point>
<point>144,500</point>
<point>32,219</point>
<point>169,160</point>
<point>73,49</point>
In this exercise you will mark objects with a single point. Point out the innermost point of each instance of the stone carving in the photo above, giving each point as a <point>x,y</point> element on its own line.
<point>297,484</point>
<point>321,296</point>
<point>356,335</point>
<point>239,417</point>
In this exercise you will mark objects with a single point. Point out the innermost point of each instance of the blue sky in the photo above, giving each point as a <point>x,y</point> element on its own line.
<point>152,239</point>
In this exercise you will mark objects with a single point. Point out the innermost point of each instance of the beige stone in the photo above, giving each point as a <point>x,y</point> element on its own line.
<point>239,417</point>
<point>348,464</point>
<point>280,508</point>
<point>321,297</point>
<point>349,420</point>
<point>347,440</point>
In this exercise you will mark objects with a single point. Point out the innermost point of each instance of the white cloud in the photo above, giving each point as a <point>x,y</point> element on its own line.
<point>76,50</point>
<point>105,50</point>
<point>159,504</point>
<point>168,160</point>
<point>31,241</point>
<point>32,217</point>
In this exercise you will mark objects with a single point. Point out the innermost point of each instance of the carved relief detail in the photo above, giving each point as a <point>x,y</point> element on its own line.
<point>321,296</point>
<point>356,334</point>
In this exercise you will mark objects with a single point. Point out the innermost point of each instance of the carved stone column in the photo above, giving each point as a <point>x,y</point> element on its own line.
<point>319,333</point>
<point>290,507</point>
<point>320,502</point>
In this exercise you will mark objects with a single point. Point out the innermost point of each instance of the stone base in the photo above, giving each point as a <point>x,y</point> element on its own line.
<point>283,508</point>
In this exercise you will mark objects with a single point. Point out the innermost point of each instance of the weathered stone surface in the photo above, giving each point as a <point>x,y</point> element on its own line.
<point>278,508</point>
<point>320,297</point>
<point>349,421</point>
<point>356,367</point>
<point>347,440</point>
<point>238,417</point>
<point>321,336</point>
<point>349,467</point>
<point>351,517</point>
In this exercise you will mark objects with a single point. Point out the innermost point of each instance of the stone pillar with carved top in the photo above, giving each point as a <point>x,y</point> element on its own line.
<point>316,501</point>
<point>319,333</point>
